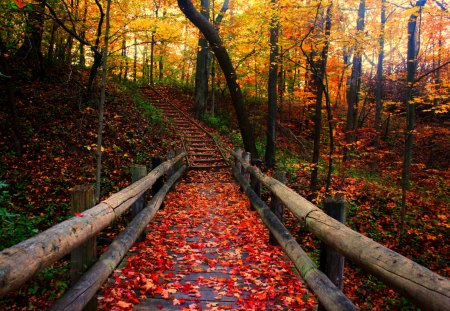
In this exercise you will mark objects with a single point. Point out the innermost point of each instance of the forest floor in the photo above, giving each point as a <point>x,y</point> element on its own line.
<point>58,129</point>
<point>58,132</point>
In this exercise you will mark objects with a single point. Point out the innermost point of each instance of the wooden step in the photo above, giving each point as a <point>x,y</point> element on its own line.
<point>208,167</point>
<point>208,160</point>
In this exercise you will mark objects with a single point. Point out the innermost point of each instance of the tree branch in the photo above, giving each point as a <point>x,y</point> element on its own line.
<point>431,71</point>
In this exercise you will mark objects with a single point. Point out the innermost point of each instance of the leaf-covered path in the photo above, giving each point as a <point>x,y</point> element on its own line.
<point>206,250</point>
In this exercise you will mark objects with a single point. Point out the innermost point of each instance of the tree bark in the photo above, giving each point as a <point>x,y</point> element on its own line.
<point>10,85</point>
<point>101,107</point>
<point>201,70</point>
<point>379,86</point>
<point>319,69</point>
<point>272,88</point>
<point>30,51</point>
<point>410,111</point>
<point>224,61</point>
<point>355,83</point>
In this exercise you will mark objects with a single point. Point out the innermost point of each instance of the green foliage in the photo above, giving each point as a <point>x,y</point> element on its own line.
<point>236,138</point>
<point>51,282</point>
<point>14,228</point>
<point>217,122</point>
<point>152,113</point>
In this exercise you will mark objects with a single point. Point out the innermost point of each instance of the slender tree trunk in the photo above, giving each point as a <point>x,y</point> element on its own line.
<point>228,70</point>
<point>213,87</point>
<point>379,86</point>
<point>152,60</point>
<point>82,61</point>
<point>355,83</point>
<point>319,74</point>
<point>272,88</point>
<point>135,60</point>
<point>410,111</point>
<point>51,44</point>
<point>161,68</point>
<point>124,55</point>
<point>102,106</point>
<point>97,53</point>
<point>69,47</point>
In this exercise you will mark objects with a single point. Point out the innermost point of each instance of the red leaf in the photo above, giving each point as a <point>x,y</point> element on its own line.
<point>20,3</point>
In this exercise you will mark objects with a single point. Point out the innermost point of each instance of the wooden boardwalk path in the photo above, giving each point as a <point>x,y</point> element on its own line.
<point>206,251</point>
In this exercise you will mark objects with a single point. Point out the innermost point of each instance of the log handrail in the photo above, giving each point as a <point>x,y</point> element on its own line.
<point>20,262</point>
<point>422,286</point>
<point>78,296</point>
<point>327,293</point>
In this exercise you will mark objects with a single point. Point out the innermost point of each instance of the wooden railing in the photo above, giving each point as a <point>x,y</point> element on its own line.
<point>20,262</point>
<point>427,289</point>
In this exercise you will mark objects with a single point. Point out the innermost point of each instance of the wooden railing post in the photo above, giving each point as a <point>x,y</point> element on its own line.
<point>138,172</point>
<point>246,156</point>
<point>237,163</point>
<point>160,181</point>
<point>179,164</point>
<point>332,262</point>
<point>171,171</point>
<point>277,206</point>
<point>254,182</point>
<point>84,256</point>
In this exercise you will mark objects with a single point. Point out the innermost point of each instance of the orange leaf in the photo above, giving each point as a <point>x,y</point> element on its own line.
<point>124,304</point>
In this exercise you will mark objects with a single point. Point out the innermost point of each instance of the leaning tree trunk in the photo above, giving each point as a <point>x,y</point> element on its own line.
<point>224,61</point>
<point>272,89</point>
<point>97,54</point>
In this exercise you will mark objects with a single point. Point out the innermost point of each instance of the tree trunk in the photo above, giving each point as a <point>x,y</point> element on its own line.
<point>102,106</point>
<point>97,54</point>
<point>135,60</point>
<point>124,56</point>
<point>161,68</point>
<point>201,70</point>
<point>82,61</point>
<point>152,60</point>
<point>410,111</point>
<point>272,88</point>
<point>51,44</point>
<point>30,52</point>
<point>379,86</point>
<point>224,60</point>
<point>355,83</point>
<point>319,69</point>
<point>10,86</point>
